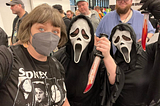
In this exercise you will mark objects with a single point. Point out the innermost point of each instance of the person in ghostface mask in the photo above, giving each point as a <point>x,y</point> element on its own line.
<point>129,57</point>
<point>153,57</point>
<point>41,31</point>
<point>77,58</point>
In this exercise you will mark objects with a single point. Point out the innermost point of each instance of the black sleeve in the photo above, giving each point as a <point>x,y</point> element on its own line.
<point>5,62</point>
<point>3,37</point>
<point>151,50</point>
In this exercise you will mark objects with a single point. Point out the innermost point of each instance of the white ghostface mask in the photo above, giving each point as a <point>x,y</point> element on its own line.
<point>80,37</point>
<point>123,41</point>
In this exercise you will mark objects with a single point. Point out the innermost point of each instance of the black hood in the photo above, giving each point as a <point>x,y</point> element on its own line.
<point>152,6</point>
<point>118,55</point>
<point>90,46</point>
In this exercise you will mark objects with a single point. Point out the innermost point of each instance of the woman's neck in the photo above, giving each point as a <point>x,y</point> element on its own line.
<point>35,54</point>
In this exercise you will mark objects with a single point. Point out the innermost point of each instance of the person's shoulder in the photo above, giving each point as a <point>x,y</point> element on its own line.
<point>16,18</point>
<point>17,47</point>
<point>25,13</point>
<point>66,18</point>
<point>135,12</point>
<point>3,37</point>
<point>6,53</point>
<point>137,16</point>
<point>3,48</point>
<point>112,14</point>
<point>66,21</point>
<point>93,12</point>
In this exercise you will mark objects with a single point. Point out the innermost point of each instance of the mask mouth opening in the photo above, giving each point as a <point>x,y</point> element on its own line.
<point>78,49</point>
<point>125,53</point>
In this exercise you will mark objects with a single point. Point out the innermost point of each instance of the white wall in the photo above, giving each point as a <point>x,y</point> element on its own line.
<point>113,2</point>
<point>136,1</point>
<point>136,7</point>
<point>65,3</point>
<point>1,22</point>
<point>6,16</point>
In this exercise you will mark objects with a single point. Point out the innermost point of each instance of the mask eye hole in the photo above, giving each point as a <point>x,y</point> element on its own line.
<point>117,40</point>
<point>73,34</point>
<point>126,38</point>
<point>85,36</point>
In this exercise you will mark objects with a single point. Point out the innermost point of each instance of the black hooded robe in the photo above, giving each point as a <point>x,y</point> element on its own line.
<point>136,77</point>
<point>76,75</point>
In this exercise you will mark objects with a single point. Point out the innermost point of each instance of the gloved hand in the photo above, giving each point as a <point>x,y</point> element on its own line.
<point>152,6</point>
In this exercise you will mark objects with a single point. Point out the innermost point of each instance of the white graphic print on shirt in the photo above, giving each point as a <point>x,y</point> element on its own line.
<point>36,89</point>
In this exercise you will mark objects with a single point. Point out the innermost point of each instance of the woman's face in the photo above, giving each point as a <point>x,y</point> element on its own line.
<point>40,95</point>
<point>45,27</point>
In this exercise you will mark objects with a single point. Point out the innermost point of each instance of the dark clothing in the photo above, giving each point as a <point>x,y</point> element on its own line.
<point>136,77</point>
<point>154,23</point>
<point>101,94</point>
<point>153,58</point>
<point>3,37</point>
<point>49,75</point>
<point>76,80</point>
<point>66,21</point>
<point>136,81</point>
<point>16,24</point>
<point>76,74</point>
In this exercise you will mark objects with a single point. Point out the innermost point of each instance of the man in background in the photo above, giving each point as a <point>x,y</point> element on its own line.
<point>65,18</point>
<point>18,8</point>
<point>70,14</point>
<point>97,8</point>
<point>93,16</point>
<point>124,14</point>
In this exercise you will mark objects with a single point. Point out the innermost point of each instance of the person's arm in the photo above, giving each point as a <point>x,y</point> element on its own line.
<point>149,35</point>
<point>151,31</point>
<point>66,103</point>
<point>104,45</point>
<point>5,63</point>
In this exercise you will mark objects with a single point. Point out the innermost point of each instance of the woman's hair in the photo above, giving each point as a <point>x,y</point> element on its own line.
<point>41,14</point>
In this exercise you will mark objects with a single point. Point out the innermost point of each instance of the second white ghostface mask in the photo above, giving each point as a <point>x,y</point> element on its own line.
<point>123,41</point>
